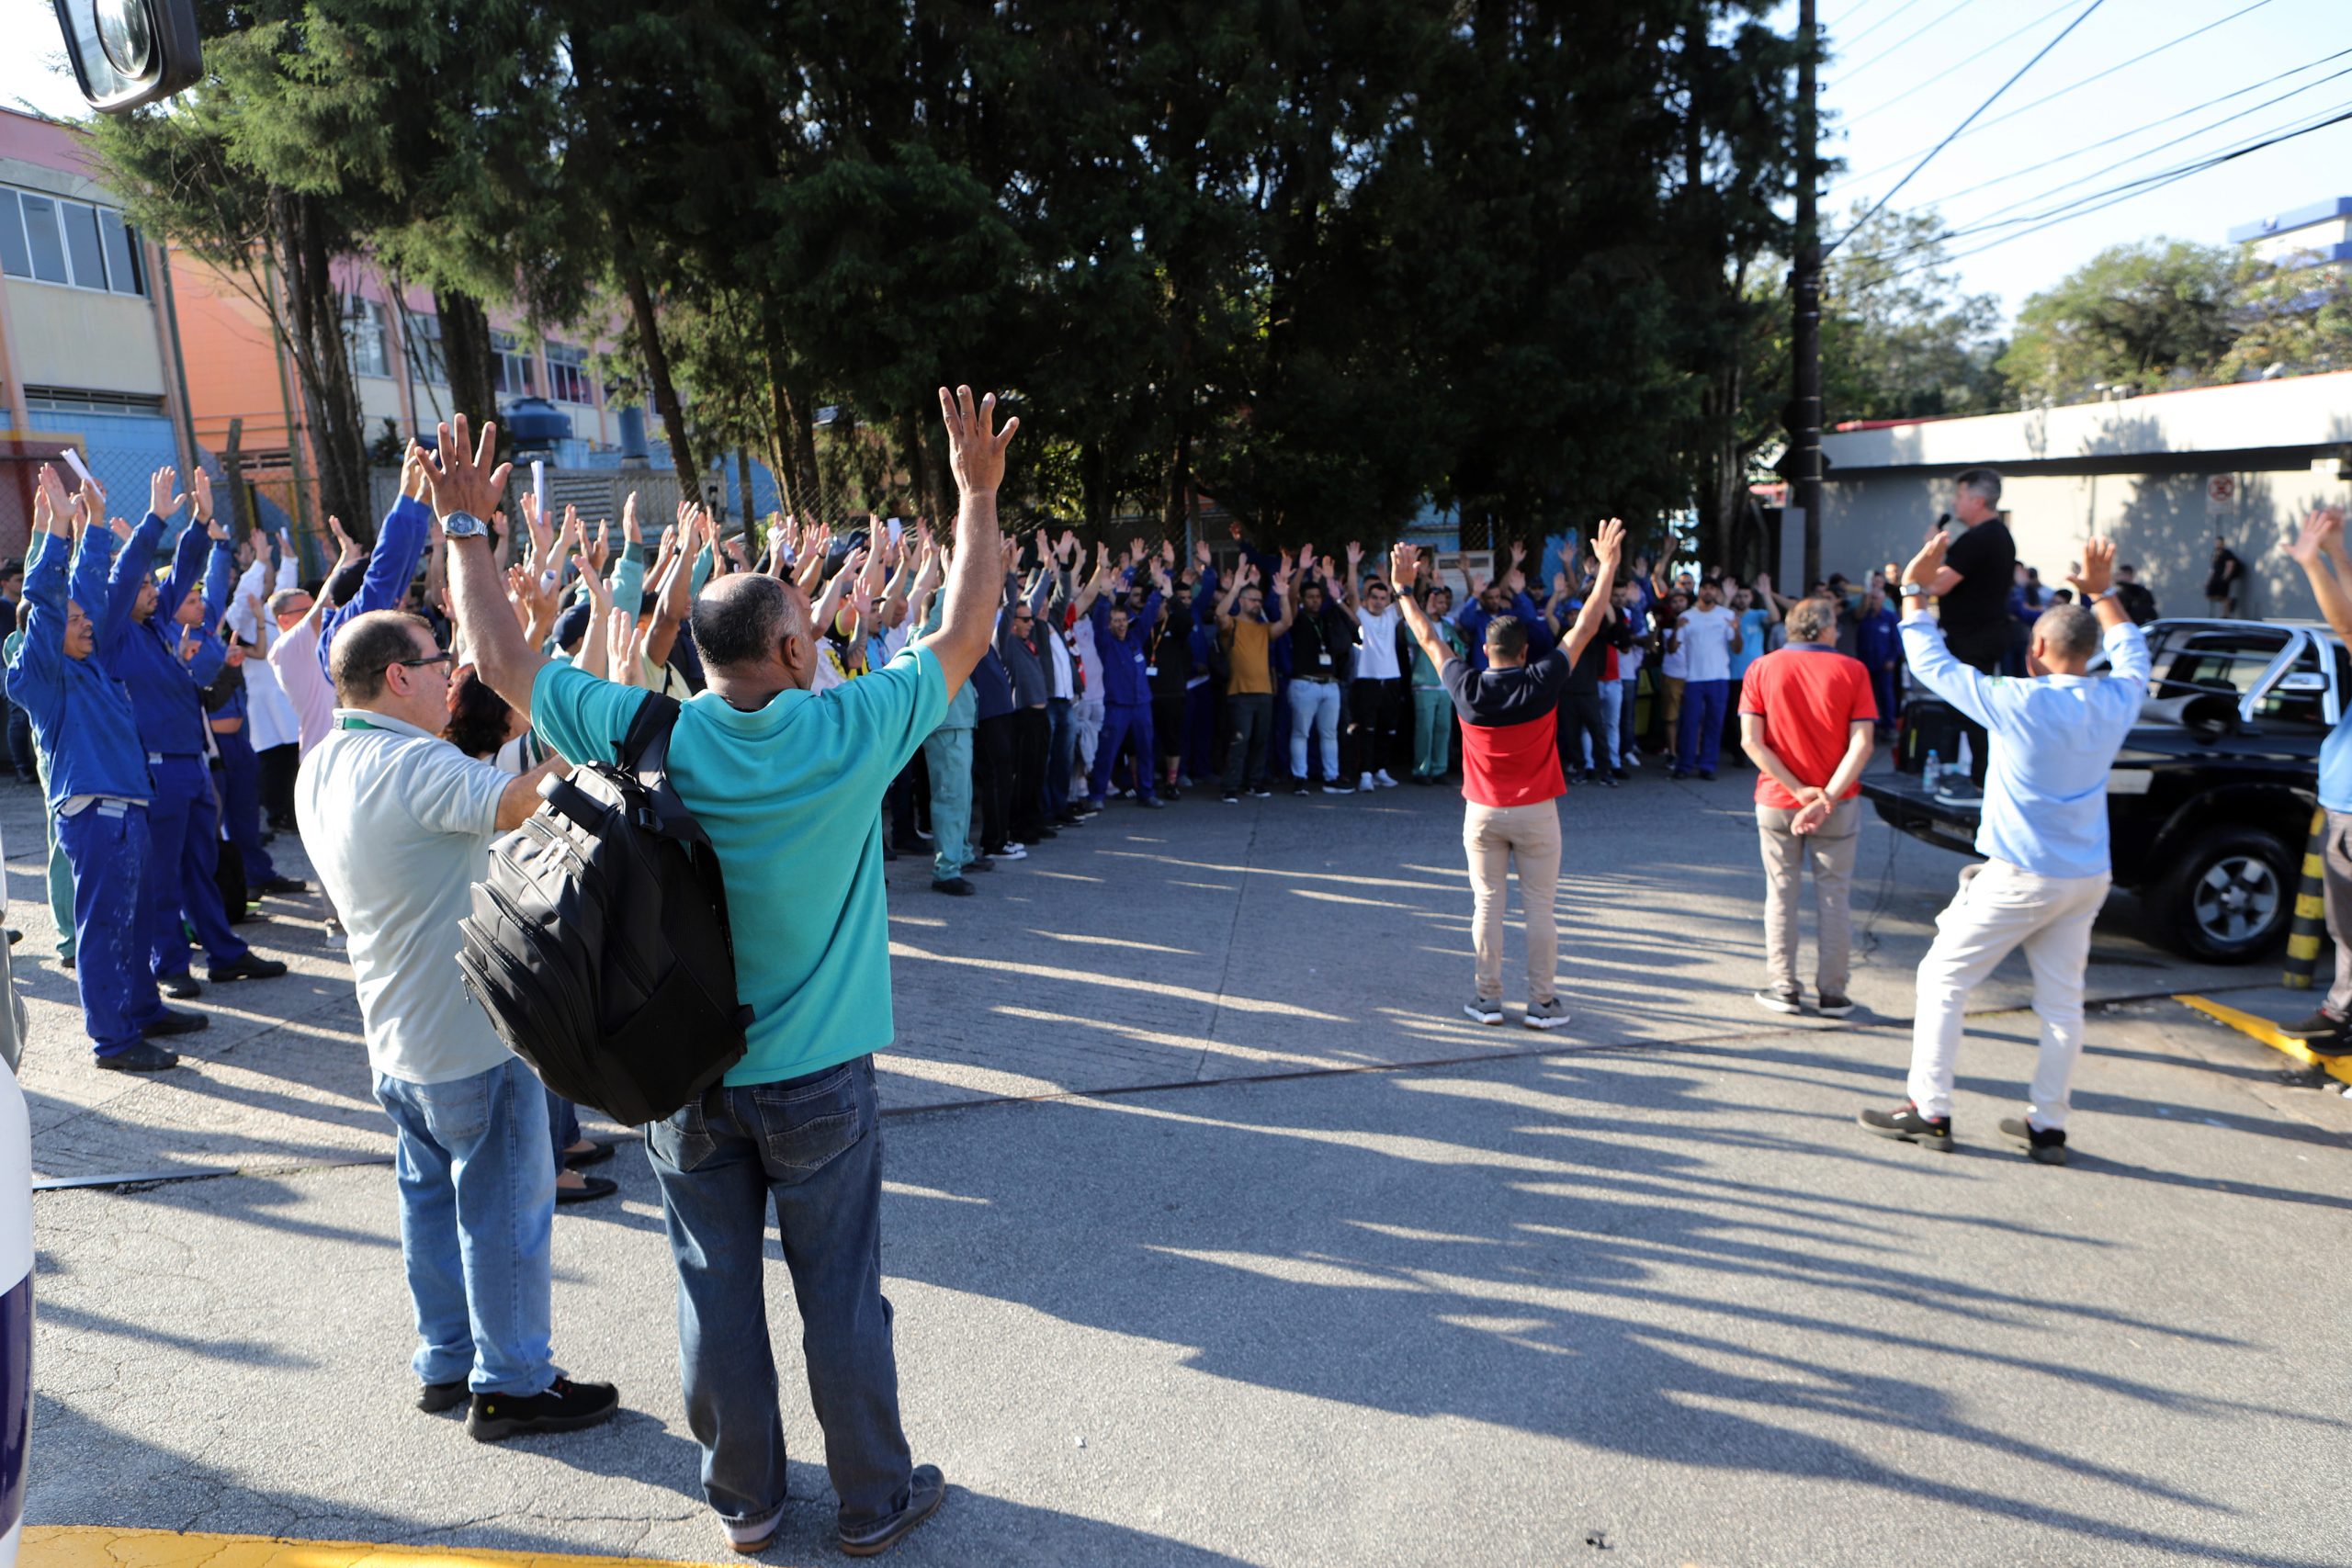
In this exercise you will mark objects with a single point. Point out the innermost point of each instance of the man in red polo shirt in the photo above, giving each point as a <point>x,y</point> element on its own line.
<point>1511,776</point>
<point>1807,716</point>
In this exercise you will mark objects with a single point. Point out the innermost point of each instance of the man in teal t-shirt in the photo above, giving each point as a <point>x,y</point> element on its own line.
<point>788,785</point>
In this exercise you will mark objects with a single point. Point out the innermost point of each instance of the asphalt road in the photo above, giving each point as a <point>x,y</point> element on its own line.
<point>1642,1294</point>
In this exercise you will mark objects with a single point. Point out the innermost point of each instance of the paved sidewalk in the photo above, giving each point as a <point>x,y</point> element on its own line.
<point>1198,943</point>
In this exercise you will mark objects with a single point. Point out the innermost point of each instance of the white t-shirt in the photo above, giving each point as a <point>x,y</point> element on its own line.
<point>1706,644</point>
<point>1376,656</point>
<point>396,822</point>
<point>295,657</point>
<point>270,718</point>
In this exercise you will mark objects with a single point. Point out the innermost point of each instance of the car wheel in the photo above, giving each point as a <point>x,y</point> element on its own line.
<point>2228,897</point>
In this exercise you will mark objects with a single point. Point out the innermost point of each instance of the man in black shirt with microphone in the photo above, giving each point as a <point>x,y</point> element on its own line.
<point>1972,588</point>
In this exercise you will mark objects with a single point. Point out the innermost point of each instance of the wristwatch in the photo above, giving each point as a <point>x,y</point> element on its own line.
<point>1914,591</point>
<point>2090,599</point>
<point>464,525</point>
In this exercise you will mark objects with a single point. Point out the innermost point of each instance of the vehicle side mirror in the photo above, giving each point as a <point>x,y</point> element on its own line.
<point>128,52</point>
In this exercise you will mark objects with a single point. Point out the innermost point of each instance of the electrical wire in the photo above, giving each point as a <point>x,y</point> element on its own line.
<point>1905,96</point>
<point>2080,17</point>
<point>1848,14</point>
<point>2154,124</point>
<point>2071,87</point>
<point>1908,40</point>
<point>1984,218</point>
<point>2099,200</point>
<point>1880,23</point>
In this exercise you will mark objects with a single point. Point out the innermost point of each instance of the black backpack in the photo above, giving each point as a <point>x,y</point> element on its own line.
<point>599,944</point>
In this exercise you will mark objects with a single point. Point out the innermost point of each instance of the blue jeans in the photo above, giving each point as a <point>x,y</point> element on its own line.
<point>476,1208</point>
<point>1314,705</point>
<point>106,843</point>
<point>184,828</point>
<point>1700,740</point>
<point>812,1146</point>
<point>1062,754</point>
<point>1628,694</point>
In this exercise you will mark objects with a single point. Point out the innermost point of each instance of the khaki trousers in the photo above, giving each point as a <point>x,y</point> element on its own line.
<point>1830,851</point>
<point>1492,836</point>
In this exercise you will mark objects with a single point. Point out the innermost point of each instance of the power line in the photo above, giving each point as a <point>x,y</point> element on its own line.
<point>1907,94</point>
<point>2154,124</point>
<point>1908,40</point>
<point>2080,18</point>
<point>2071,87</point>
<point>1981,220</point>
<point>2099,200</point>
<point>1880,23</point>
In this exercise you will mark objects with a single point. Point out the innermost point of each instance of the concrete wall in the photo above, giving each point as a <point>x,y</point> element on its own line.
<point>73,337</point>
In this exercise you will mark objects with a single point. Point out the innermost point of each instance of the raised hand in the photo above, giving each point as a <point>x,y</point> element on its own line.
<point>201,488</point>
<point>1404,566</point>
<point>217,531</point>
<point>630,532</point>
<point>413,468</point>
<point>2098,570</point>
<point>1929,561</point>
<point>1136,551</point>
<point>1607,547</point>
<point>1200,554</point>
<point>465,475</point>
<point>2323,523</point>
<point>50,505</point>
<point>625,637</point>
<point>974,449</point>
<point>164,497</point>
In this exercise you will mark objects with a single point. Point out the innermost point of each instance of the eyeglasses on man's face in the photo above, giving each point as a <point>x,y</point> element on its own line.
<point>444,658</point>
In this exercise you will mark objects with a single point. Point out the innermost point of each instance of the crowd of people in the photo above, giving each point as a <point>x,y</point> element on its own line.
<point>965,696</point>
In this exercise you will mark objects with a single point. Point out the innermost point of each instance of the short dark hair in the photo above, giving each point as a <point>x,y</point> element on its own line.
<point>740,618</point>
<point>1507,636</point>
<point>10,567</point>
<point>365,647</point>
<point>1983,481</point>
<point>477,718</point>
<point>344,586</point>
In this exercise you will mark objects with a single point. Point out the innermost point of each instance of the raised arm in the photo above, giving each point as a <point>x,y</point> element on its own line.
<point>2319,550</point>
<point>38,672</point>
<point>975,580</point>
<point>1608,543</point>
<point>400,543</point>
<point>1242,573</point>
<point>1288,600</point>
<point>465,476</point>
<point>1405,567</point>
<point>1923,642</point>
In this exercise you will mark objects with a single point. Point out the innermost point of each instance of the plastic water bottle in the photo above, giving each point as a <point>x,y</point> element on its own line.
<point>1932,774</point>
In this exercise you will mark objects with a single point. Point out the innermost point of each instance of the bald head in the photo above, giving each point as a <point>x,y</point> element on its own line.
<point>741,620</point>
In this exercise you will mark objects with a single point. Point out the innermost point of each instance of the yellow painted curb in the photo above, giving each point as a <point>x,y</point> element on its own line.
<point>2262,1029</point>
<point>99,1546</point>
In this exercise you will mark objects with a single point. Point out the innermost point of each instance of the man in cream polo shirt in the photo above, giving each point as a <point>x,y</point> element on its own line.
<point>398,823</point>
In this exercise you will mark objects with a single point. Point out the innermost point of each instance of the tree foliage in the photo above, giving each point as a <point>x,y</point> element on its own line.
<point>1321,259</point>
<point>2144,315</point>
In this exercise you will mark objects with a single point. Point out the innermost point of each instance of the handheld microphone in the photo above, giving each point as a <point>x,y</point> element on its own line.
<point>1943,519</point>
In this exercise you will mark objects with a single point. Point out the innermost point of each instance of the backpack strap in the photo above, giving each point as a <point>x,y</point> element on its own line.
<point>645,749</point>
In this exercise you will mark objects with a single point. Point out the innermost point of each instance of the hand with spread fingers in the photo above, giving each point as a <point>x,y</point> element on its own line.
<point>974,447</point>
<point>465,475</point>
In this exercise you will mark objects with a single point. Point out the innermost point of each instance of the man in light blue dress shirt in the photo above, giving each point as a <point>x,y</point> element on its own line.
<point>2320,552</point>
<point>2043,837</point>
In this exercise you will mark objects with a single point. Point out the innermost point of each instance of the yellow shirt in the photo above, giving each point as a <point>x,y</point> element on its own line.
<point>1246,643</point>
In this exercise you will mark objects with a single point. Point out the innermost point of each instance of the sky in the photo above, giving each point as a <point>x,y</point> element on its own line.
<point>1903,73</point>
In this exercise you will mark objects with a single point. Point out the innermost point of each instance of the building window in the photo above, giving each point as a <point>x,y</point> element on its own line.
<point>72,242</point>
<point>363,329</point>
<point>519,373</point>
<point>568,380</point>
<point>77,399</point>
<point>427,361</point>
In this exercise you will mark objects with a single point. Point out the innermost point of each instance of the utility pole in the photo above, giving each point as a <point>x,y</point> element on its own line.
<point>1804,285</point>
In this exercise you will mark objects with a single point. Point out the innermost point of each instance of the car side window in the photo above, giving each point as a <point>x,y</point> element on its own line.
<point>2297,697</point>
<point>2228,661</point>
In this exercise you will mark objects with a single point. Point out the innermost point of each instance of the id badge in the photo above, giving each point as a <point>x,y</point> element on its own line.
<point>1324,659</point>
<point>1152,669</point>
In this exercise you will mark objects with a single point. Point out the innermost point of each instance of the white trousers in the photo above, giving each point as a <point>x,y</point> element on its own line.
<point>1999,908</point>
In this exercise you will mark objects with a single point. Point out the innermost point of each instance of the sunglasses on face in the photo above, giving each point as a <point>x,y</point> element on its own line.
<point>448,659</point>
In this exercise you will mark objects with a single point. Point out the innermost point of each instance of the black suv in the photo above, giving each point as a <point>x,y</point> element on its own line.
<point>2211,796</point>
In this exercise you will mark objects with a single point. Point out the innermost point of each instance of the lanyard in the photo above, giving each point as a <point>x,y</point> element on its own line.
<point>347,721</point>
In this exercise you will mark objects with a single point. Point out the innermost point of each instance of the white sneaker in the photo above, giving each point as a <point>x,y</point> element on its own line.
<point>1333,787</point>
<point>1383,779</point>
<point>1364,783</point>
<point>1010,851</point>
<point>336,939</point>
